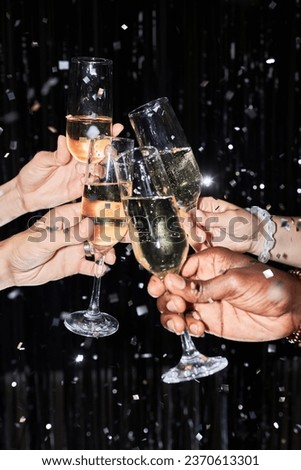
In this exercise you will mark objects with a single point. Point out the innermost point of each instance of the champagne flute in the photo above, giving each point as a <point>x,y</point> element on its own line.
<point>155,123</point>
<point>102,204</point>
<point>159,241</point>
<point>89,104</point>
<point>89,108</point>
<point>88,127</point>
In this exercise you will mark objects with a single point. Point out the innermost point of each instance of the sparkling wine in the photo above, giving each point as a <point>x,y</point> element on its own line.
<point>184,175</point>
<point>81,129</point>
<point>101,203</point>
<point>158,239</point>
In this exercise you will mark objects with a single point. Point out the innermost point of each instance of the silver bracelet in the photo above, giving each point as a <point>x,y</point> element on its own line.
<point>270,230</point>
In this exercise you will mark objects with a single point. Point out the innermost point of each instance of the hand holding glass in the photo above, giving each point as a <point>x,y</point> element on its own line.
<point>159,241</point>
<point>155,123</point>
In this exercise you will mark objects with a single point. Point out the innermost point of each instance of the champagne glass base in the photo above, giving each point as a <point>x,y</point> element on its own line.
<point>91,326</point>
<point>196,367</point>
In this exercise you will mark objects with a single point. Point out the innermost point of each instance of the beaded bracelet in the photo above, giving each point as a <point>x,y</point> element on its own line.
<point>295,337</point>
<point>270,228</point>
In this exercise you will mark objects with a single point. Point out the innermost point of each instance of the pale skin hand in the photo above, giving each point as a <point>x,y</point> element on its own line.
<point>48,180</point>
<point>49,250</point>
<point>228,295</point>
<point>230,226</point>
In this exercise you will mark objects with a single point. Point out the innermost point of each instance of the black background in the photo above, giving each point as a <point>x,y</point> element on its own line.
<point>242,117</point>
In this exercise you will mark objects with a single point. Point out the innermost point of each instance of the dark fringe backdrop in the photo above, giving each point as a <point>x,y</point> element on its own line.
<point>231,69</point>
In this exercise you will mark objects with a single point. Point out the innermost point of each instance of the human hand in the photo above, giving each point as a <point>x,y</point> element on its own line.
<point>225,224</point>
<point>229,295</point>
<point>51,249</point>
<point>51,178</point>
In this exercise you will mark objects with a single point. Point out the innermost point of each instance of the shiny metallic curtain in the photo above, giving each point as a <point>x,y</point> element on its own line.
<point>231,69</point>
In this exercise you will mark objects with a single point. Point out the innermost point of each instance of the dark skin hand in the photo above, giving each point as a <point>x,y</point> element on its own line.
<point>231,295</point>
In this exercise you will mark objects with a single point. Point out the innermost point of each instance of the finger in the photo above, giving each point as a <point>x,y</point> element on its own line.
<point>171,303</point>
<point>117,129</point>
<point>44,160</point>
<point>178,323</point>
<point>211,220</point>
<point>195,327</point>
<point>197,232</point>
<point>62,154</point>
<point>109,256</point>
<point>62,217</point>
<point>214,261</point>
<point>86,268</point>
<point>58,234</point>
<point>67,261</point>
<point>181,290</point>
<point>194,239</point>
<point>126,238</point>
<point>196,235</point>
<point>196,291</point>
<point>173,322</point>
<point>69,214</point>
<point>190,267</point>
<point>210,204</point>
<point>155,287</point>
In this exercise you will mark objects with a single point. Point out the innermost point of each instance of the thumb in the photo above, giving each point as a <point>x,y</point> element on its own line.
<point>62,154</point>
<point>117,129</point>
<point>79,233</point>
<point>194,291</point>
<point>85,229</point>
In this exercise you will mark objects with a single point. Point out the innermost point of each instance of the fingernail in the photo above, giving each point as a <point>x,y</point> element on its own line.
<point>171,306</point>
<point>59,141</point>
<point>170,326</point>
<point>179,283</point>
<point>194,330</point>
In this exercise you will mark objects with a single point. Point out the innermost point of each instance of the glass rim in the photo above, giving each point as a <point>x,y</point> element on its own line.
<point>149,104</point>
<point>125,139</point>
<point>96,60</point>
<point>140,148</point>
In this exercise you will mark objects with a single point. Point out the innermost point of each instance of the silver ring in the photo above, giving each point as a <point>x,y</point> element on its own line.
<point>89,253</point>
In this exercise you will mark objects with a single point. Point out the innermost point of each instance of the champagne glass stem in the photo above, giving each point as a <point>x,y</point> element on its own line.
<point>188,346</point>
<point>93,309</point>
<point>93,322</point>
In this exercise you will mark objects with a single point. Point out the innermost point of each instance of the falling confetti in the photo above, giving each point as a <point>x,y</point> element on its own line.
<point>268,273</point>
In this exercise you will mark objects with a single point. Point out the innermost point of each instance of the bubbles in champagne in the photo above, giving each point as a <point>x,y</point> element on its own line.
<point>184,176</point>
